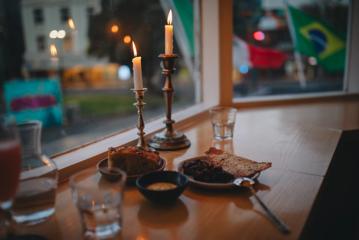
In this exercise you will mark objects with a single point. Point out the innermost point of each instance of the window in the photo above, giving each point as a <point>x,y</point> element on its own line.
<point>41,43</point>
<point>288,49</point>
<point>38,16</point>
<point>64,14</point>
<point>90,11</point>
<point>87,73</point>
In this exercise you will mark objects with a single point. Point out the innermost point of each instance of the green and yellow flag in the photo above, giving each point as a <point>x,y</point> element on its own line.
<point>315,38</point>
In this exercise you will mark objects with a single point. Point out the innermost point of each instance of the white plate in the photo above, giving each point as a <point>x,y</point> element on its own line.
<point>207,185</point>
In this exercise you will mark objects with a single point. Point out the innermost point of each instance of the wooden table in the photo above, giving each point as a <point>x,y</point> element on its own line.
<point>299,140</point>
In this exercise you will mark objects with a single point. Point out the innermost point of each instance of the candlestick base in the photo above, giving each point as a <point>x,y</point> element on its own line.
<point>169,139</point>
<point>169,142</point>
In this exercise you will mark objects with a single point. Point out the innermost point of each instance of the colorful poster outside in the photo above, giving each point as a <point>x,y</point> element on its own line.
<point>35,99</point>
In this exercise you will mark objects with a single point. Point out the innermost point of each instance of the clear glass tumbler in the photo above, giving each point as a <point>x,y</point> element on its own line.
<point>223,120</point>
<point>35,197</point>
<point>99,202</point>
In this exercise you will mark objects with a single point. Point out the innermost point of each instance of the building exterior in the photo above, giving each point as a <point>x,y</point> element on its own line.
<point>46,22</point>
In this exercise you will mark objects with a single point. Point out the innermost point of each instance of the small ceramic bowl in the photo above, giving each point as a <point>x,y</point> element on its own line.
<point>162,196</point>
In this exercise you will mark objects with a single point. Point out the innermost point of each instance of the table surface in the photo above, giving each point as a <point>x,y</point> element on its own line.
<point>299,140</point>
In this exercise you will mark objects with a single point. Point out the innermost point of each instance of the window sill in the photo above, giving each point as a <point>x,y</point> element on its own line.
<point>252,102</point>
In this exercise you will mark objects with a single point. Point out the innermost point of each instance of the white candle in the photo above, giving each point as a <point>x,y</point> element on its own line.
<point>169,35</point>
<point>137,69</point>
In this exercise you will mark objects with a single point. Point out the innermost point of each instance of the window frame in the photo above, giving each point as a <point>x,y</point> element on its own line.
<point>216,85</point>
<point>41,43</point>
<point>38,16</point>
<point>65,14</point>
<point>89,11</point>
<point>351,81</point>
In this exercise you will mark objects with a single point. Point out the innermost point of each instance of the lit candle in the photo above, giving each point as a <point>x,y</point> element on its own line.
<point>169,35</point>
<point>137,69</point>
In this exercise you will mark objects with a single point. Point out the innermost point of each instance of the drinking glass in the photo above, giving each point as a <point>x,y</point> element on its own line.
<point>34,201</point>
<point>10,161</point>
<point>99,202</point>
<point>223,120</point>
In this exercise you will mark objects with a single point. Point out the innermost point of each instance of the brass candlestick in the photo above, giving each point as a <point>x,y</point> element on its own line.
<point>141,143</point>
<point>168,139</point>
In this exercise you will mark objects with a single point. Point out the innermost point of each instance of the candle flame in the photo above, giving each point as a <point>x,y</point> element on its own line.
<point>134,49</point>
<point>71,23</point>
<point>169,18</point>
<point>53,50</point>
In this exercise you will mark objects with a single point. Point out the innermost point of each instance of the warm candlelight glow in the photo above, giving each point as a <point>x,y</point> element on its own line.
<point>71,23</point>
<point>127,39</point>
<point>134,49</point>
<point>53,50</point>
<point>169,18</point>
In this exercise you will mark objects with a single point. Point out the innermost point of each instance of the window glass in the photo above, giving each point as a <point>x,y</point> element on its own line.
<point>90,11</point>
<point>64,14</point>
<point>40,40</point>
<point>288,47</point>
<point>75,72</point>
<point>38,16</point>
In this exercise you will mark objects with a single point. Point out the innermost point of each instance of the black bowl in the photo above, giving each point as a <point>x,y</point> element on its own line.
<point>162,196</point>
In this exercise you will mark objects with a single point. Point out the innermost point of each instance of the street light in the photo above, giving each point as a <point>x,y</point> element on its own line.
<point>61,34</point>
<point>115,28</point>
<point>53,34</point>
<point>71,24</point>
<point>126,39</point>
<point>57,34</point>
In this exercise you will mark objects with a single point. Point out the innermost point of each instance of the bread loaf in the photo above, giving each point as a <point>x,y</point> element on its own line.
<point>235,165</point>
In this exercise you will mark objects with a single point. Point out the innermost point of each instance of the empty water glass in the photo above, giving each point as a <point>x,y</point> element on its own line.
<point>99,202</point>
<point>223,120</point>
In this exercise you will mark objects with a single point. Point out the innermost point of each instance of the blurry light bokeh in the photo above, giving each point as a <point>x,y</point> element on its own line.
<point>259,35</point>
<point>127,39</point>
<point>115,28</point>
<point>124,73</point>
<point>61,34</point>
<point>53,34</point>
<point>244,69</point>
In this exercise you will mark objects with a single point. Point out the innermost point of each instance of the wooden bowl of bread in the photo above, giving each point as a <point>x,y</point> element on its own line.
<point>132,160</point>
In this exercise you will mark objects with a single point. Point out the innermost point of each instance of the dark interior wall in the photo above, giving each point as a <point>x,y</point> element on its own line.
<point>11,40</point>
<point>2,41</point>
<point>335,213</point>
<point>11,43</point>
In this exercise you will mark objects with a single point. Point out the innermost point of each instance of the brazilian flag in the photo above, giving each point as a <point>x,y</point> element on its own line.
<point>315,38</point>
